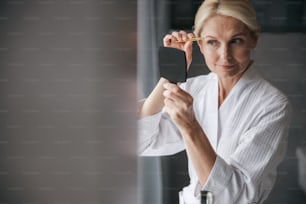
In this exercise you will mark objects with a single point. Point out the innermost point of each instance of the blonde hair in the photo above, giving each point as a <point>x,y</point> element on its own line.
<point>239,9</point>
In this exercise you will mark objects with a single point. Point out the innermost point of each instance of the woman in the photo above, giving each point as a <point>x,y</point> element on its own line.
<point>232,123</point>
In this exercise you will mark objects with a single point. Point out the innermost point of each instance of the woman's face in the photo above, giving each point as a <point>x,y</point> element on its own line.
<point>226,44</point>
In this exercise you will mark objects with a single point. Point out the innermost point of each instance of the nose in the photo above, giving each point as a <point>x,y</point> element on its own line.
<point>226,52</point>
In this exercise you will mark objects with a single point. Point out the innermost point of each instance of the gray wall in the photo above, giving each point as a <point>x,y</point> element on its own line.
<point>67,101</point>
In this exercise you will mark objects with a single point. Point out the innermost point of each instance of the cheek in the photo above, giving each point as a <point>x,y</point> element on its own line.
<point>243,55</point>
<point>210,57</point>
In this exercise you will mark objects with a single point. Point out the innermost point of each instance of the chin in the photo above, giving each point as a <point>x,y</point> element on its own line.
<point>225,73</point>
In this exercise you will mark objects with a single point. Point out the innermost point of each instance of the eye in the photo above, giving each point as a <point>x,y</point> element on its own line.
<point>236,41</point>
<point>212,43</point>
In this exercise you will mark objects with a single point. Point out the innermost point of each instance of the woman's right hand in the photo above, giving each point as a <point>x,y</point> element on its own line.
<point>178,40</point>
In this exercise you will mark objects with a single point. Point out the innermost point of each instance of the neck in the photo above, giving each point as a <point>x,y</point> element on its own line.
<point>226,85</point>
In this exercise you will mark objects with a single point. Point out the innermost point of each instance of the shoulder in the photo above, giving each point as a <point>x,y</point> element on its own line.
<point>269,93</point>
<point>259,99</point>
<point>255,86</point>
<point>268,99</point>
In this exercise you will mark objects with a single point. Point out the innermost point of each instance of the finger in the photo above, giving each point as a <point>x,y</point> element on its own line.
<point>169,103</point>
<point>169,85</point>
<point>167,40</point>
<point>177,94</point>
<point>191,35</point>
<point>172,87</point>
<point>177,35</point>
<point>188,46</point>
<point>172,96</point>
<point>172,109</point>
<point>169,110</point>
<point>174,101</point>
<point>184,35</point>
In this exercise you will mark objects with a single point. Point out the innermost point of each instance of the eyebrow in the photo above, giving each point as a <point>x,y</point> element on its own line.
<point>238,34</point>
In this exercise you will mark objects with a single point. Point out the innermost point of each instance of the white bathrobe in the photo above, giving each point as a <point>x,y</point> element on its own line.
<point>248,133</point>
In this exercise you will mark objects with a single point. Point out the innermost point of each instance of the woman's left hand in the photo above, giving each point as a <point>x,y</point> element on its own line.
<point>179,105</point>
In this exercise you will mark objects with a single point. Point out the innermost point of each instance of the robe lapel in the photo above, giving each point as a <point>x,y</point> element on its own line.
<point>211,122</point>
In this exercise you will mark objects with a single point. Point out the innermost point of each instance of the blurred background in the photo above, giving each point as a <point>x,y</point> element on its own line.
<point>67,102</point>
<point>280,56</point>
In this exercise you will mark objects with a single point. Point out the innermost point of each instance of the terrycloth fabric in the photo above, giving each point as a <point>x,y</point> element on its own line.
<point>248,132</point>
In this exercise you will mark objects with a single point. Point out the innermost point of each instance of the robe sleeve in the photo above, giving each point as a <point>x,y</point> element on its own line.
<point>241,178</point>
<point>158,136</point>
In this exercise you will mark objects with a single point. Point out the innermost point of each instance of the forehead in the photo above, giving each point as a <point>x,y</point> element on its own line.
<point>222,26</point>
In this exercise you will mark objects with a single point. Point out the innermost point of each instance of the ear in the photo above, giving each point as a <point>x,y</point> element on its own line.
<point>254,42</point>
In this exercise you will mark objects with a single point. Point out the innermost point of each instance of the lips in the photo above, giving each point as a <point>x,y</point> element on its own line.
<point>227,66</point>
